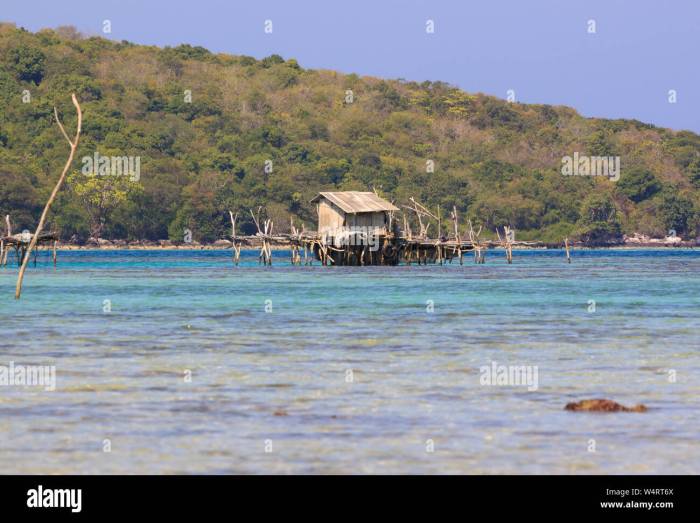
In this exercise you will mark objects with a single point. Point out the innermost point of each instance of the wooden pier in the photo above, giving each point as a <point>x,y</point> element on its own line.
<point>359,228</point>
<point>372,238</point>
<point>394,250</point>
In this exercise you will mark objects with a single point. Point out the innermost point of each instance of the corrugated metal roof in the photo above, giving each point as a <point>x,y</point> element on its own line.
<point>355,201</point>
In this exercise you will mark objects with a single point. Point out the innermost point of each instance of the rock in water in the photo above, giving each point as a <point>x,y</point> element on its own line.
<point>601,405</point>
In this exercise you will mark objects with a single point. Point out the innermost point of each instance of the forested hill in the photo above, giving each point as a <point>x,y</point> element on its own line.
<point>215,132</point>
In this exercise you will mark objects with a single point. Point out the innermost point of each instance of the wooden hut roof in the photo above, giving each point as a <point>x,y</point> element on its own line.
<point>353,202</point>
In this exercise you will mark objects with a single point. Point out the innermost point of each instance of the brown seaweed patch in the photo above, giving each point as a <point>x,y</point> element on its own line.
<point>602,405</point>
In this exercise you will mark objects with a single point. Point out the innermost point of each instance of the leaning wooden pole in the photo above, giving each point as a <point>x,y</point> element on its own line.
<point>40,226</point>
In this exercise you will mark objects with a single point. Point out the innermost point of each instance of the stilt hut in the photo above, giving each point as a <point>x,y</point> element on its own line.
<point>355,226</point>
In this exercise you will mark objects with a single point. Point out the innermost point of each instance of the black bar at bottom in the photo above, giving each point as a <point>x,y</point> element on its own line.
<point>86,497</point>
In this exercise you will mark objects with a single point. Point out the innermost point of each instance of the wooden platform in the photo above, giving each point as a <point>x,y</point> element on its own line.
<point>20,243</point>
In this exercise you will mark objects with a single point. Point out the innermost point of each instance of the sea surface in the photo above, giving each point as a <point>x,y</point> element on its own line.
<point>179,362</point>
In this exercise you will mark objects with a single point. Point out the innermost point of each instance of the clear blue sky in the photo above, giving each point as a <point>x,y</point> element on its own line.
<point>539,48</point>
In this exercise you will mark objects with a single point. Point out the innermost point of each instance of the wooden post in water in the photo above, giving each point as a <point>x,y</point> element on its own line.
<point>479,255</point>
<point>566,245</point>
<point>456,231</point>
<point>3,257</point>
<point>296,241</point>
<point>266,243</point>
<point>294,249</point>
<point>236,252</point>
<point>265,234</point>
<point>507,241</point>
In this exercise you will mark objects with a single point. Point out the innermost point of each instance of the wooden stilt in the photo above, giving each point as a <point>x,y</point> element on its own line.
<point>3,259</point>
<point>507,241</point>
<point>479,256</point>
<point>235,248</point>
<point>265,234</point>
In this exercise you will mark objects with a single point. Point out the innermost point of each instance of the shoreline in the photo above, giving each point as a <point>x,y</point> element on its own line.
<point>212,247</point>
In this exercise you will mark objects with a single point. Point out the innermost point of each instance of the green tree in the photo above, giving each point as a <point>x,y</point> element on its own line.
<point>694,173</point>
<point>28,63</point>
<point>200,213</point>
<point>600,144</point>
<point>19,199</point>
<point>100,195</point>
<point>638,184</point>
<point>599,223</point>
<point>676,212</point>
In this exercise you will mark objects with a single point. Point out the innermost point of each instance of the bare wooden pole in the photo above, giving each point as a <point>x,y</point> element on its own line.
<point>566,245</point>
<point>3,257</point>
<point>510,237</point>
<point>40,226</point>
<point>507,241</point>
<point>236,252</point>
<point>479,256</point>
<point>292,232</point>
<point>421,211</point>
<point>296,240</point>
<point>265,234</point>
<point>408,234</point>
<point>458,239</point>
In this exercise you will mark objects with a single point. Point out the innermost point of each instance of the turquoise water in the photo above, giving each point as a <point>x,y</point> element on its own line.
<point>346,370</point>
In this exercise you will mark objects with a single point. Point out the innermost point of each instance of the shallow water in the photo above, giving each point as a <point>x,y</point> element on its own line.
<point>348,371</point>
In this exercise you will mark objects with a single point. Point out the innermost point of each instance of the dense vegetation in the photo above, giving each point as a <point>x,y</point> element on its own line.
<point>498,162</point>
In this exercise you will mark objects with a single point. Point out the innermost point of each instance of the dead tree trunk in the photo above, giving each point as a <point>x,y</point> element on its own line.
<point>73,146</point>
